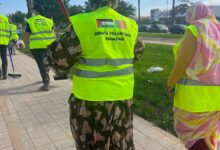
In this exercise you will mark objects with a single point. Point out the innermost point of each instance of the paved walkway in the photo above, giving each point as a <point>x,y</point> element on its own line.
<point>34,120</point>
<point>164,41</point>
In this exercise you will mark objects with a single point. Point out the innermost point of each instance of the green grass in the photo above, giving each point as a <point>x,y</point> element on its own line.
<point>149,100</point>
<point>161,35</point>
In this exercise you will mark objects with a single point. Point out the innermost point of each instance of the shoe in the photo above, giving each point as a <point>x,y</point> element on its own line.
<point>45,87</point>
<point>5,77</point>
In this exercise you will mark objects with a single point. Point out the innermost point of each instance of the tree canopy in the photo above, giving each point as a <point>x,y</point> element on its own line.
<point>18,17</point>
<point>51,9</point>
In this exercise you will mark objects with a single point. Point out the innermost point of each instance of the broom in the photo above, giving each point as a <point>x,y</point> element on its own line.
<point>13,75</point>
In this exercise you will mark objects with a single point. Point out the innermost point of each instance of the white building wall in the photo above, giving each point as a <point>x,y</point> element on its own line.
<point>216,10</point>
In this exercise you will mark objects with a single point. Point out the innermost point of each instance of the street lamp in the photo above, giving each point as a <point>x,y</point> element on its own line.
<point>139,13</point>
<point>173,13</point>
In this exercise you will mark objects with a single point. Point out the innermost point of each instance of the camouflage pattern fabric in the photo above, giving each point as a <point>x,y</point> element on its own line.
<point>102,125</point>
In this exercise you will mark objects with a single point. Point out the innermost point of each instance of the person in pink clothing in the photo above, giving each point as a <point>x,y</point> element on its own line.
<point>197,66</point>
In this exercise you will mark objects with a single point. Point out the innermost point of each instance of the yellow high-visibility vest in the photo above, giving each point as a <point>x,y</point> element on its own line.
<point>105,69</point>
<point>14,34</point>
<point>193,96</point>
<point>4,30</point>
<point>42,34</point>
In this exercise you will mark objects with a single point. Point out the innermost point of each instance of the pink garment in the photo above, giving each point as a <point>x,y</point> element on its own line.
<point>205,66</point>
<point>191,127</point>
<point>198,11</point>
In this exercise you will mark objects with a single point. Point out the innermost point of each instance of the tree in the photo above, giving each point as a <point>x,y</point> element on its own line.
<point>18,17</point>
<point>75,9</point>
<point>51,9</point>
<point>29,6</point>
<point>183,6</point>
<point>124,8</point>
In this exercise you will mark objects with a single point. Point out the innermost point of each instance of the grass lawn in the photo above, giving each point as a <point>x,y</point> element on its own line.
<point>160,35</point>
<point>149,100</point>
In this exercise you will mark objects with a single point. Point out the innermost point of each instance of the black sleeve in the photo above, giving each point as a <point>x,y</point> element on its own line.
<point>28,29</point>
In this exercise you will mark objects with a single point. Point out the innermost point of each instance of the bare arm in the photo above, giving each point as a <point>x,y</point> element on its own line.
<point>185,56</point>
<point>27,37</point>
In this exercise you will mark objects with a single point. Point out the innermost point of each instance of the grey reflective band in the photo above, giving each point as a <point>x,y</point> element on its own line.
<point>192,82</point>
<point>8,36</point>
<point>48,38</point>
<point>102,62</point>
<point>93,74</point>
<point>5,30</point>
<point>42,32</point>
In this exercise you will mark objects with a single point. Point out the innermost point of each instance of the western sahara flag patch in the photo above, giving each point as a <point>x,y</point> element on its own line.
<point>105,23</point>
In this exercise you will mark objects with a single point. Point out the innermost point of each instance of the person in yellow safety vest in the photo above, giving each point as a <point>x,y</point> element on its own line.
<point>4,40</point>
<point>13,39</point>
<point>39,34</point>
<point>101,46</point>
<point>196,77</point>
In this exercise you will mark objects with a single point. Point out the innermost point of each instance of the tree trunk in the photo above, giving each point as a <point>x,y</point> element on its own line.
<point>29,6</point>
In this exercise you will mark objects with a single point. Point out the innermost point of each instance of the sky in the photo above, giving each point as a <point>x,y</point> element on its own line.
<point>11,6</point>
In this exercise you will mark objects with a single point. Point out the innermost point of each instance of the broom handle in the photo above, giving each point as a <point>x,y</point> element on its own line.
<point>10,54</point>
<point>63,8</point>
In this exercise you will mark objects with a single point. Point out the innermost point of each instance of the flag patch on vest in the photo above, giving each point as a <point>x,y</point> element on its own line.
<point>105,23</point>
<point>121,24</point>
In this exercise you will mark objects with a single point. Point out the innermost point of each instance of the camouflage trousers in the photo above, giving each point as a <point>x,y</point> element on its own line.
<point>102,125</point>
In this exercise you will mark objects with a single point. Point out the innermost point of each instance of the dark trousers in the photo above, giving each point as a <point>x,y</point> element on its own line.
<point>3,53</point>
<point>39,55</point>
<point>101,125</point>
<point>200,145</point>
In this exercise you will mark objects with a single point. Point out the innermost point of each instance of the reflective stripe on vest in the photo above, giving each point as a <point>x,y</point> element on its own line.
<point>41,32</point>
<point>4,30</point>
<point>194,96</point>
<point>8,36</point>
<point>93,74</point>
<point>8,31</point>
<point>37,39</point>
<point>102,62</point>
<point>105,69</point>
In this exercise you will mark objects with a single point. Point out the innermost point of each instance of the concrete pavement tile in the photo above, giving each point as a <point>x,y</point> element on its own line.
<point>138,147</point>
<point>65,144</point>
<point>58,136</point>
<point>47,147</point>
<point>178,146</point>
<point>37,134</point>
<point>139,138</point>
<point>28,145</point>
<point>41,141</point>
<point>8,148</point>
<point>5,143</point>
<point>53,130</point>
<point>166,142</point>
<point>152,145</point>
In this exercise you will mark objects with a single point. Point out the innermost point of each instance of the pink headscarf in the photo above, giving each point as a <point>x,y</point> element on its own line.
<point>198,11</point>
<point>205,65</point>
